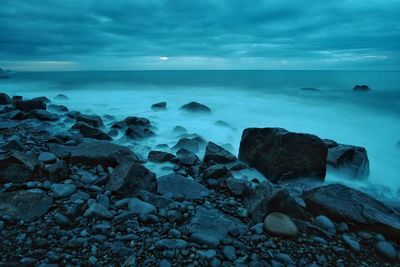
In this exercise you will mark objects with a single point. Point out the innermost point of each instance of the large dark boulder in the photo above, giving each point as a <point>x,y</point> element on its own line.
<point>136,127</point>
<point>100,152</point>
<point>188,144</point>
<point>159,106</point>
<point>17,167</point>
<point>361,88</point>
<point>24,205</point>
<point>42,115</point>
<point>160,156</point>
<point>351,159</point>
<point>345,204</point>
<point>131,177</point>
<point>217,154</point>
<point>92,120</point>
<point>138,132</point>
<point>4,99</point>
<point>29,105</point>
<point>177,185</point>
<point>195,107</point>
<point>132,121</point>
<point>282,155</point>
<point>90,132</point>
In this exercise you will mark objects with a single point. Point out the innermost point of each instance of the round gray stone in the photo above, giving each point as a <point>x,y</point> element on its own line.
<point>280,224</point>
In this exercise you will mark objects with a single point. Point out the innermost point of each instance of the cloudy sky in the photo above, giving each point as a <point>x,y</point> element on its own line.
<point>199,34</point>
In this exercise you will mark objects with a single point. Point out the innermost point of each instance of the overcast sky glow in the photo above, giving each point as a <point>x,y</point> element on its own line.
<point>199,34</point>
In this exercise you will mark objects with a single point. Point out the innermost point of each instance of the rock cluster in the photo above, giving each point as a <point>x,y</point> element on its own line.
<point>68,198</point>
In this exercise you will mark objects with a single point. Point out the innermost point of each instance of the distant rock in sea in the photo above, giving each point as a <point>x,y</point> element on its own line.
<point>361,88</point>
<point>309,89</point>
<point>196,107</point>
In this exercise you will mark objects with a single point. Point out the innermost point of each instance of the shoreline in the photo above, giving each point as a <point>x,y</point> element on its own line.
<point>93,199</point>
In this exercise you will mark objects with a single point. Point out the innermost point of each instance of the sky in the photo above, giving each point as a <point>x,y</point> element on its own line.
<point>199,34</point>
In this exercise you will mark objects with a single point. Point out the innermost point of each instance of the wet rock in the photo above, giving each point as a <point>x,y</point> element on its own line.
<point>325,223</point>
<point>61,97</point>
<point>141,207</point>
<point>47,158</point>
<point>42,98</point>
<point>188,144</point>
<point>350,159</point>
<point>99,211</point>
<point>29,105</point>
<point>17,167</point>
<point>61,219</point>
<point>57,108</point>
<point>175,184</point>
<point>351,243</point>
<point>386,250</point>
<point>237,187</point>
<point>178,130</point>
<point>42,115</point>
<point>14,143</point>
<point>186,158</point>
<point>128,178</point>
<point>63,190</point>
<point>90,132</point>
<point>229,253</point>
<point>24,205</point>
<point>196,107</point>
<point>309,89</point>
<point>58,171</point>
<point>217,154</point>
<point>4,99</point>
<point>160,156</point>
<point>280,224</point>
<point>281,155</point>
<point>346,204</point>
<point>92,120</point>
<point>159,106</point>
<point>135,132</point>
<point>209,226</point>
<point>171,244</point>
<point>225,125</point>
<point>101,152</point>
<point>14,115</point>
<point>217,171</point>
<point>130,262</point>
<point>361,88</point>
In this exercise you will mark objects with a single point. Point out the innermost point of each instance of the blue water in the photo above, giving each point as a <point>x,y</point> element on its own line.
<point>243,99</point>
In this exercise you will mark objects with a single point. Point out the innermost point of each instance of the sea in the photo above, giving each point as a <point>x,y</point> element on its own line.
<point>317,102</point>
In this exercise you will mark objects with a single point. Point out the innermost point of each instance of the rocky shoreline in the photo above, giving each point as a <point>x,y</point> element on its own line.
<point>70,195</point>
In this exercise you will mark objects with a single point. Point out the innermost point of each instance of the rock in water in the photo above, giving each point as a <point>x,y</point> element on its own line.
<point>159,106</point>
<point>196,107</point>
<point>63,190</point>
<point>130,177</point>
<point>160,156</point>
<point>217,154</point>
<point>361,88</point>
<point>17,167</point>
<point>90,132</point>
<point>61,97</point>
<point>4,99</point>
<point>351,159</point>
<point>346,204</point>
<point>24,205</point>
<point>29,105</point>
<point>176,184</point>
<point>325,223</point>
<point>281,155</point>
<point>101,152</point>
<point>92,120</point>
<point>42,115</point>
<point>280,224</point>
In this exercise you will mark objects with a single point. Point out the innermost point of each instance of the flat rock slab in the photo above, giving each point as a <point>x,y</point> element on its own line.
<point>24,205</point>
<point>17,167</point>
<point>349,205</point>
<point>175,184</point>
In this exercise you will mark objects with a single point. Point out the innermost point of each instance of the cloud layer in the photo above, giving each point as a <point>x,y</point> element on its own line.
<point>207,34</point>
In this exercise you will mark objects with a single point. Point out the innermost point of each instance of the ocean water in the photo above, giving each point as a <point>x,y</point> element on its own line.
<point>244,99</point>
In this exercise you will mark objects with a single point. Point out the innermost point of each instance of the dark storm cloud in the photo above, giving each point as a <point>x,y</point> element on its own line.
<point>248,34</point>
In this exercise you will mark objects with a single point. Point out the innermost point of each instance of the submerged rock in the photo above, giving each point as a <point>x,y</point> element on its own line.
<point>131,177</point>
<point>281,155</point>
<point>24,205</point>
<point>361,88</point>
<point>188,144</point>
<point>217,154</point>
<point>90,132</point>
<point>136,132</point>
<point>17,167</point>
<point>159,106</point>
<point>42,115</point>
<point>61,97</point>
<point>160,156</point>
<point>280,224</point>
<point>92,120</point>
<point>177,185</point>
<point>349,205</point>
<point>351,159</point>
<point>195,107</point>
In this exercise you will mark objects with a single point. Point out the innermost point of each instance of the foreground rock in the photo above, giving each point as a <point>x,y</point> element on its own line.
<point>42,115</point>
<point>4,99</point>
<point>177,185</point>
<point>92,120</point>
<point>29,105</point>
<point>280,224</point>
<point>131,177</point>
<point>196,107</point>
<point>17,167</point>
<point>135,127</point>
<point>349,205</point>
<point>217,154</point>
<point>351,159</point>
<point>24,205</point>
<point>281,155</point>
<point>90,132</point>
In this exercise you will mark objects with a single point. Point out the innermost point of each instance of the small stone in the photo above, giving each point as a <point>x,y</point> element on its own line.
<point>350,243</point>
<point>342,227</point>
<point>99,211</point>
<point>141,207</point>
<point>171,244</point>
<point>63,190</point>
<point>280,224</point>
<point>386,250</point>
<point>325,223</point>
<point>47,158</point>
<point>61,219</point>
<point>229,253</point>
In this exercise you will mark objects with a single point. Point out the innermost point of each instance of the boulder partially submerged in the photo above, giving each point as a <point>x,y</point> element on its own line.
<point>361,88</point>
<point>218,154</point>
<point>196,107</point>
<point>282,155</point>
<point>90,132</point>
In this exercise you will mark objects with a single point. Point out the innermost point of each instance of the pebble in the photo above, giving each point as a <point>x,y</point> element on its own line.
<point>229,253</point>
<point>386,250</point>
<point>47,158</point>
<point>141,207</point>
<point>350,243</point>
<point>61,219</point>
<point>63,190</point>
<point>325,223</point>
